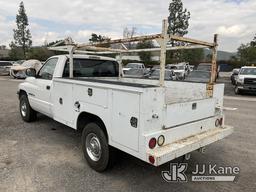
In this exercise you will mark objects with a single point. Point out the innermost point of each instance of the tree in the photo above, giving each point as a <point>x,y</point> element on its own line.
<point>145,56</point>
<point>178,18</point>
<point>129,33</point>
<point>247,53</point>
<point>22,36</point>
<point>16,53</point>
<point>40,53</point>
<point>253,42</point>
<point>99,38</point>
<point>178,25</point>
<point>193,56</point>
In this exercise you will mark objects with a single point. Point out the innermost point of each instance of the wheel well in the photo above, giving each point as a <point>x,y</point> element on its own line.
<point>22,92</point>
<point>85,118</point>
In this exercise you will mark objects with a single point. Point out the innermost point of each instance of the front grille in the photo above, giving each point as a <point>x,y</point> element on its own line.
<point>250,81</point>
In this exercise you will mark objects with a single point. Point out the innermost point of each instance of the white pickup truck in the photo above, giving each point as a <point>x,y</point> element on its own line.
<point>153,123</point>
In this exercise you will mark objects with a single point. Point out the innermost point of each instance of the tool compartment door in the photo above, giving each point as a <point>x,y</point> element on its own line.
<point>63,107</point>
<point>125,109</point>
<point>190,111</point>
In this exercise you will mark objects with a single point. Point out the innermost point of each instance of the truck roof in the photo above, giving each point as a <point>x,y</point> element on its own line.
<point>248,67</point>
<point>96,57</point>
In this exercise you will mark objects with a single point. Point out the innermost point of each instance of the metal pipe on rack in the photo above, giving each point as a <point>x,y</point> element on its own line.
<point>163,42</point>
<point>71,61</point>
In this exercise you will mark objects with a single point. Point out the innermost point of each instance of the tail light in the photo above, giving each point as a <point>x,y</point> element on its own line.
<point>152,143</point>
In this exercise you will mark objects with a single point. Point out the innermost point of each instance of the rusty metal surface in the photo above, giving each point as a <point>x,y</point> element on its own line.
<point>162,39</point>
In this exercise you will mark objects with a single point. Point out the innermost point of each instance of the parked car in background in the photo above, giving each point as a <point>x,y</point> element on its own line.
<point>135,73</point>
<point>199,76</point>
<point>207,67</point>
<point>181,70</point>
<point>246,80</point>
<point>155,67</point>
<point>191,68</point>
<point>18,62</point>
<point>234,75</point>
<point>169,74</point>
<point>19,71</point>
<point>133,66</point>
<point>5,67</point>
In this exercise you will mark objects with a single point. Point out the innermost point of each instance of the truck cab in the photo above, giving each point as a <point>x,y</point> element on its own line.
<point>39,88</point>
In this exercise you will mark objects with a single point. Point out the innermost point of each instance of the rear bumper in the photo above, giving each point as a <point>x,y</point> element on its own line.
<point>171,151</point>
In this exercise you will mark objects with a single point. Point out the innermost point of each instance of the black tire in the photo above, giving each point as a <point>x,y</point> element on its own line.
<point>99,161</point>
<point>237,90</point>
<point>26,112</point>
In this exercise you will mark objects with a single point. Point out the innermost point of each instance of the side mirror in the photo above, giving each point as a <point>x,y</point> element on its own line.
<point>31,72</point>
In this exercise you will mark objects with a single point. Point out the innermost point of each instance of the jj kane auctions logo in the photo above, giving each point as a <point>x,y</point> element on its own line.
<point>200,173</point>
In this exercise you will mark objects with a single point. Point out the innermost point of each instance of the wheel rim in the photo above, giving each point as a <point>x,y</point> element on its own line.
<point>23,109</point>
<point>93,147</point>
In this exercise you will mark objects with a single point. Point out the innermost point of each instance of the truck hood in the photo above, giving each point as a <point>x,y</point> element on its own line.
<point>179,71</point>
<point>126,69</point>
<point>246,76</point>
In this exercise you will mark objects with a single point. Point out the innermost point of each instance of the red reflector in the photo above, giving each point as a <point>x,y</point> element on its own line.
<point>152,143</point>
<point>151,159</point>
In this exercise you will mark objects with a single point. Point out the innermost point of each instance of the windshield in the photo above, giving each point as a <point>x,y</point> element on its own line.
<point>172,67</point>
<point>5,64</point>
<point>248,71</point>
<point>200,74</point>
<point>133,65</point>
<point>180,67</point>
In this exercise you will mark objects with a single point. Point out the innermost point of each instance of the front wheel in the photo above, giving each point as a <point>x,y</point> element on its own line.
<point>26,112</point>
<point>95,147</point>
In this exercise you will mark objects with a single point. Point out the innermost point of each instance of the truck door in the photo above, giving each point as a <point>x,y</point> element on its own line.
<point>40,96</point>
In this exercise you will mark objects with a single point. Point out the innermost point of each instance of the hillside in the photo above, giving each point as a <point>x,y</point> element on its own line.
<point>222,55</point>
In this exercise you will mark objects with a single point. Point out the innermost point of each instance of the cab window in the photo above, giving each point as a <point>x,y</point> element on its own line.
<point>46,72</point>
<point>92,68</point>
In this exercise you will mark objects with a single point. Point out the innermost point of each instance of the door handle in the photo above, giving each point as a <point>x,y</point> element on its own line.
<point>48,87</point>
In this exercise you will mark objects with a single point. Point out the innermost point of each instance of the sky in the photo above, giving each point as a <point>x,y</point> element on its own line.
<point>233,20</point>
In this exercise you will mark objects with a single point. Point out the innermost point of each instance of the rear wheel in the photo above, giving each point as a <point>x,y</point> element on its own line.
<point>97,152</point>
<point>26,112</point>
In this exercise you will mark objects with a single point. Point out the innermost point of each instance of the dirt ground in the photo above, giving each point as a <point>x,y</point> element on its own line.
<point>47,156</point>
